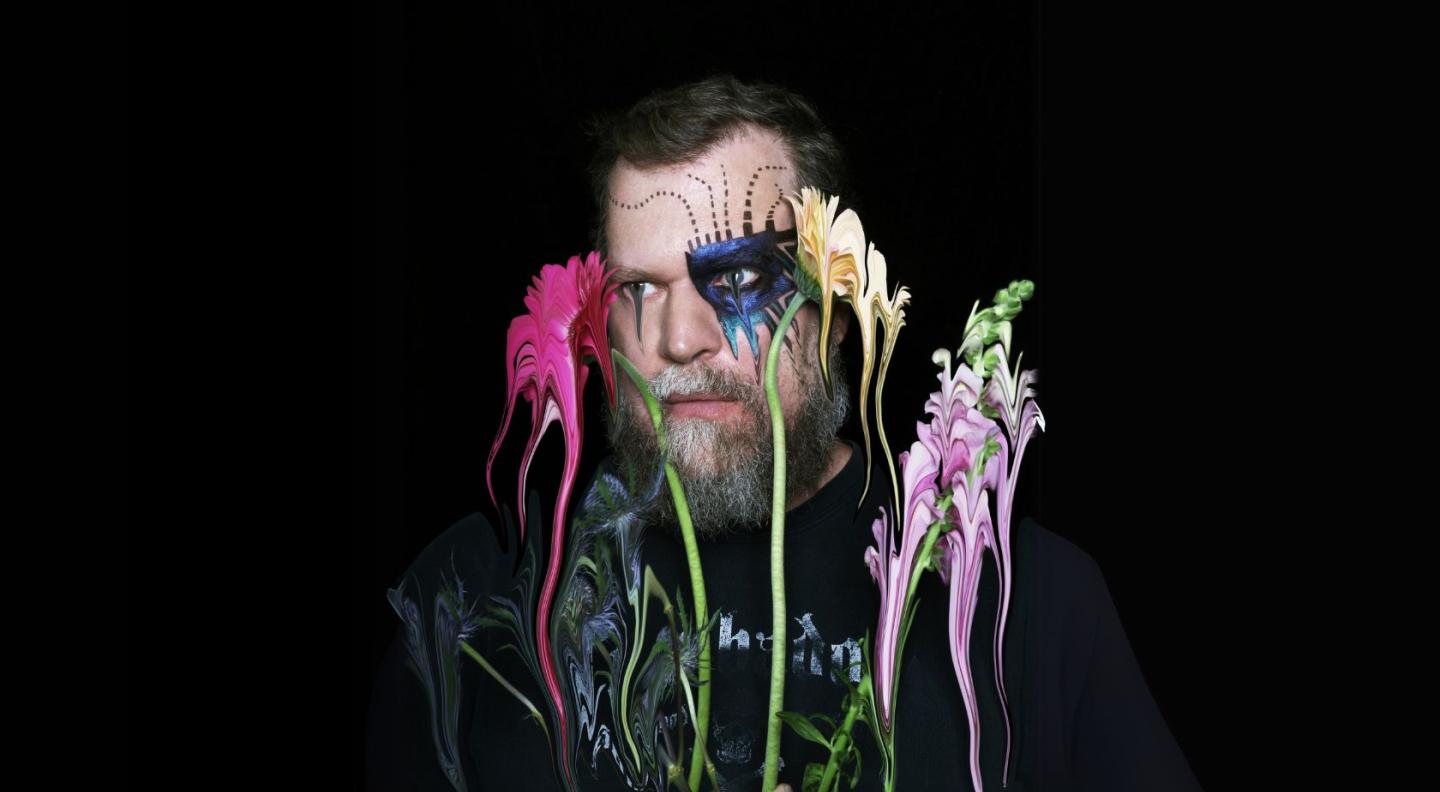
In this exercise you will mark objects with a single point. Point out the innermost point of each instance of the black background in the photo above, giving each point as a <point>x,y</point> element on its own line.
<point>988,142</point>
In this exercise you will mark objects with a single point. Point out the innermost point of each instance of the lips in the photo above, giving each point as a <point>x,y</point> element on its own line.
<point>694,397</point>
<point>703,406</point>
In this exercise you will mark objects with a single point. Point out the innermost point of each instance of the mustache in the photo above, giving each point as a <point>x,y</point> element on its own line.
<point>678,380</point>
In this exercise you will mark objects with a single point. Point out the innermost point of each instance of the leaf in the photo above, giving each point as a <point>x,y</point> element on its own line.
<point>814,773</point>
<point>803,727</point>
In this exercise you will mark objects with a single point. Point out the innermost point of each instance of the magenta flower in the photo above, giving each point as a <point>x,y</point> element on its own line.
<point>548,350</point>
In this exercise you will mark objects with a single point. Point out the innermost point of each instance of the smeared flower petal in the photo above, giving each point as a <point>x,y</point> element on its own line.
<point>548,350</point>
<point>835,255</point>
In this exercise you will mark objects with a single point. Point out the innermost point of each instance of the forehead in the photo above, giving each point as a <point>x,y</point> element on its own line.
<point>736,190</point>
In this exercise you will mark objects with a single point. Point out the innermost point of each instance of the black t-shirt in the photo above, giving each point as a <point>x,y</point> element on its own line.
<point>1081,714</point>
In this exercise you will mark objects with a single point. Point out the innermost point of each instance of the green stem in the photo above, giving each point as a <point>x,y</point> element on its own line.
<point>842,738</point>
<point>625,686</point>
<point>676,774</point>
<point>489,669</point>
<point>777,551</point>
<point>692,557</point>
<point>629,670</point>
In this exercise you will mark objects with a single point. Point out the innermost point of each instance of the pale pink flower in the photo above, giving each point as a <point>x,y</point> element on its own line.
<point>892,568</point>
<point>965,453</point>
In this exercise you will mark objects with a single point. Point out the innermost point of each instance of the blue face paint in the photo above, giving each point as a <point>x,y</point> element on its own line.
<point>744,279</point>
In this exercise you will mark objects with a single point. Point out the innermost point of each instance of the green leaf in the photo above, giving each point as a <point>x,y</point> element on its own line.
<point>814,774</point>
<point>803,727</point>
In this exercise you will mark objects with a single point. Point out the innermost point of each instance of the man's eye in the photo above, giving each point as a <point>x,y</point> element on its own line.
<point>640,289</point>
<point>742,277</point>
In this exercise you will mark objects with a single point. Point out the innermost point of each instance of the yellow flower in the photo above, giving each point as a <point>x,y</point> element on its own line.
<point>836,262</point>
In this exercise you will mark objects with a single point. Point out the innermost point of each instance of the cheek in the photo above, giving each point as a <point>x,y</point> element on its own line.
<point>621,327</point>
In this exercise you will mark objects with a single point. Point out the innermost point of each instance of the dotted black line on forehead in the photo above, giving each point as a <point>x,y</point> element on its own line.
<point>770,214</point>
<point>725,180</point>
<point>653,196</point>
<point>710,191</point>
<point>747,228</point>
<point>750,190</point>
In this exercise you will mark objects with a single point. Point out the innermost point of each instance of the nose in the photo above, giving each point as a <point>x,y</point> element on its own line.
<point>690,328</point>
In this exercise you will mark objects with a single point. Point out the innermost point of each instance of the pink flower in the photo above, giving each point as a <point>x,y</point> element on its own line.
<point>1010,395</point>
<point>960,560</point>
<point>548,350</point>
<point>948,453</point>
<point>958,431</point>
<point>974,438</point>
<point>892,568</point>
<point>941,459</point>
<point>959,458</point>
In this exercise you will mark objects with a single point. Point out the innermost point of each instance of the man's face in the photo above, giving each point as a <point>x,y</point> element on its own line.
<point>703,285</point>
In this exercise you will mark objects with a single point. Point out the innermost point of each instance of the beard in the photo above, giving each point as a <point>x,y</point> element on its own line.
<point>726,466</point>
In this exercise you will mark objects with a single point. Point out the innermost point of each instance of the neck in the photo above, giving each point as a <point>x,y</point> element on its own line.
<point>839,455</point>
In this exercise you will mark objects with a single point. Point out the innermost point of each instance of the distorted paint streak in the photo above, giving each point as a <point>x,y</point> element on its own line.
<point>636,292</point>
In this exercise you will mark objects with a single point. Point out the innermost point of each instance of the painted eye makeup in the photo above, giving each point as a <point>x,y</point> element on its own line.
<point>744,279</point>
<point>741,278</point>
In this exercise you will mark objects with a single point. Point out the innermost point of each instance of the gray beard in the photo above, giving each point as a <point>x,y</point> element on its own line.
<point>726,468</point>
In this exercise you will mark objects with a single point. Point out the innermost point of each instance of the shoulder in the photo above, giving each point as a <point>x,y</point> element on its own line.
<point>1068,581</point>
<point>466,556</point>
<point>1116,735</point>
<point>467,539</point>
<point>416,737</point>
<point>1063,561</point>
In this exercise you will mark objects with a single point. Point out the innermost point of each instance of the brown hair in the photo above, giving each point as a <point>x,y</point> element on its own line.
<point>683,123</point>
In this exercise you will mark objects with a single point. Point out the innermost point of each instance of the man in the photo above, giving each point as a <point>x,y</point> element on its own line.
<point>690,186</point>
<point>677,322</point>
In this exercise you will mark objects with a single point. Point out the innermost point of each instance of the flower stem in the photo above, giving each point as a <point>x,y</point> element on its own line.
<point>842,740</point>
<point>692,557</point>
<point>777,550</point>
<point>654,589</point>
<point>489,669</point>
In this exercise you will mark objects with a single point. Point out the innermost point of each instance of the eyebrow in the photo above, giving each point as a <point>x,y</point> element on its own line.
<point>622,273</point>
